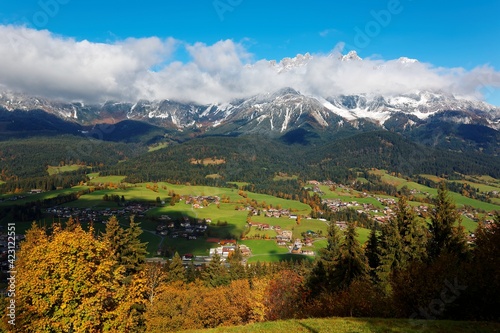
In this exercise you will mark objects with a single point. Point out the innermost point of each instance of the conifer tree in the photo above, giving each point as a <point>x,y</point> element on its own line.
<point>322,274</point>
<point>134,252</point>
<point>444,237</point>
<point>484,273</point>
<point>191,273</point>
<point>372,251</point>
<point>351,264</point>
<point>236,269</point>
<point>412,233</point>
<point>114,234</point>
<point>390,254</point>
<point>403,241</point>
<point>176,270</point>
<point>215,274</point>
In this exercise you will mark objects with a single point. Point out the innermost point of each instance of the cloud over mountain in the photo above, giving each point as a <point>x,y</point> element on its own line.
<point>41,63</point>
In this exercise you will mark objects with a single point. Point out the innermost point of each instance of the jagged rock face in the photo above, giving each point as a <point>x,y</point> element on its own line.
<point>276,112</point>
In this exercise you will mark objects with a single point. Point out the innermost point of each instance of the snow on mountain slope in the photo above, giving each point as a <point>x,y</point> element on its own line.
<point>275,110</point>
<point>278,110</point>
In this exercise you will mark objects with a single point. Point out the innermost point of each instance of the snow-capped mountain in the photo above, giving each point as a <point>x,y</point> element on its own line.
<point>430,118</point>
<point>275,112</point>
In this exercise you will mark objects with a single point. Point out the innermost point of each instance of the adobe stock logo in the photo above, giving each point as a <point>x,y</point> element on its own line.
<point>223,6</point>
<point>381,19</point>
<point>49,9</point>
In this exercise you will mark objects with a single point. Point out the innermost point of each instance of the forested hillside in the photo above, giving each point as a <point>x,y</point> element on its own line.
<point>254,159</point>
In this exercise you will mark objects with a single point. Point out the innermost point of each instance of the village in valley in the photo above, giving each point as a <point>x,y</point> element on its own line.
<point>292,231</point>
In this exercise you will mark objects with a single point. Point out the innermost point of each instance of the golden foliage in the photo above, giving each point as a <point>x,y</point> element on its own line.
<point>67,281</point>
<point>195,306</point>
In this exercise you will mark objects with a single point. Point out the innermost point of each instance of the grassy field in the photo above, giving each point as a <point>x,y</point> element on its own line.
<point>486,179</point>
<point>263,250</point>
<point>481,187</point>
<point>268,251</point>
<point>359,325</point>
<point>53,170</point>
<point>459,199</point>
<point>469,224</point>
<point>40,196</point>
<point>236,220</point>
<point>484,184</point>
<point>106,179</point>
<point>157,146</point>
<point>198,247</point>
<point>239,184</point>
<point>363,234</point>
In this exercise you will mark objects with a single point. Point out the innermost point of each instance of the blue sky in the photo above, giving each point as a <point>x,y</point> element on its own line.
<point>461,33</point>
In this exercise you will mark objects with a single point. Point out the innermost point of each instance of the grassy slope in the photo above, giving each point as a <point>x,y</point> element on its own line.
<point>359,325</point>
<point>459,199</point>
<point>265,250</point>
<point>53,170</point>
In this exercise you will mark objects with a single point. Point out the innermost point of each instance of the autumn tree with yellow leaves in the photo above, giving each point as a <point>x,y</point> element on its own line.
<point>67,281</point>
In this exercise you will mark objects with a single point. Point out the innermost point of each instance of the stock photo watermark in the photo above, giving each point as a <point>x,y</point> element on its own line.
<point>95,137</point>
<point>436,307</point>
<point>381,19</point>
<point>48,9</point>
<point>11,280</point>
<point>223,6</point>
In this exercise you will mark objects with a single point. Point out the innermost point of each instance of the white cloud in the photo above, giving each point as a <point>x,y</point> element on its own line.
<point>41,63</point>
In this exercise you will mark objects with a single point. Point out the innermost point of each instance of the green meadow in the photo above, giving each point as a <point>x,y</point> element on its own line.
<point>54,170</point>
<point>227,220</point>
<point>459,199</point>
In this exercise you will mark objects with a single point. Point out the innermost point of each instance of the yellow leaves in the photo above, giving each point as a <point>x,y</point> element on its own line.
<point>67,278</point>
<point>178,306</point>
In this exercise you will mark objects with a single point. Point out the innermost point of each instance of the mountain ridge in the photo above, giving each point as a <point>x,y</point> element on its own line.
<point>431,118</point>
<point>376,108</point>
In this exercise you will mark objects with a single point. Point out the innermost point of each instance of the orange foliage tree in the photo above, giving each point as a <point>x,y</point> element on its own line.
<point>67,281</point>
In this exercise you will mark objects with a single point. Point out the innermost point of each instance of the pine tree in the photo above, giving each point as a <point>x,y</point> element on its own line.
<point>484,273</point>
<point>390,254</point>
<point>412,233</point>
<point>321,277</point>
<point>215,274</point>
<point>236,269</point>
<point>372,251</point>
<point>444,236</point>
<point>176,270</point>
<point>352,264</point>
<point>134,252</point>
<point>191,273</point>
<point>128,254</point>
<point>114,234</point>
<point>403,241</point>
